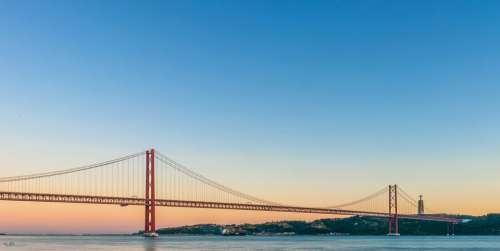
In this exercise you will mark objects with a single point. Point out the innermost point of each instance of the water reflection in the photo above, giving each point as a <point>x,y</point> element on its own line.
<point>250,243</point>
<point>150,245</point>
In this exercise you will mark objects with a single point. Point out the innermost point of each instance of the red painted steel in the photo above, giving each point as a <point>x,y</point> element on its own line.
<point>66,198</point>
<point>150,202</point>
<point>152,193</point>
<point>390,209</point>
<point>396,222</point>
<point>147,214</point>
<point>393,204</point>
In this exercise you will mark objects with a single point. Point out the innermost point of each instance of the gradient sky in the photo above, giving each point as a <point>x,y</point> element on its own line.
<point>305,102</point>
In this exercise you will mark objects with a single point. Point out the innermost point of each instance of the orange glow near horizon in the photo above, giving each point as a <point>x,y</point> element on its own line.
<point>302,189</point>
<point>53,218</point>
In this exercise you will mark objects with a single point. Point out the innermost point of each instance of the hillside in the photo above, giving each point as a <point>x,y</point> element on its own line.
<point>483,225</point>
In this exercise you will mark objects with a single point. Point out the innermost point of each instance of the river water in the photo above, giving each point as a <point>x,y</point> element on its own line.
<point>187,243</point>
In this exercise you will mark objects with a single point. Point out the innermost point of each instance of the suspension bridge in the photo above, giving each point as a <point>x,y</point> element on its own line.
<point>151,179</point>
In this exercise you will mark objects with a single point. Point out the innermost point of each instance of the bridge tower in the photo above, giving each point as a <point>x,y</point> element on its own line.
<point>420,206</point>
<point>393,210</point>
<point>150,202</point>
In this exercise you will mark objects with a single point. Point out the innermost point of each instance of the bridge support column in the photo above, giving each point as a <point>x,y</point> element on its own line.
<point>451,229</point>
<point>150,202</point>
<point>393,210</point>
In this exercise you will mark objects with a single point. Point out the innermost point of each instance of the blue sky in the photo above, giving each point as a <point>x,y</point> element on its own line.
<point>320,94</point>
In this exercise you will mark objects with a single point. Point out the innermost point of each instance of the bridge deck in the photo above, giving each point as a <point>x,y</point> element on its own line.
<point>66,198</point>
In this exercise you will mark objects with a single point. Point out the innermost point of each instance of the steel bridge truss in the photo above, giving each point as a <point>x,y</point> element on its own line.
<point>151,200</point>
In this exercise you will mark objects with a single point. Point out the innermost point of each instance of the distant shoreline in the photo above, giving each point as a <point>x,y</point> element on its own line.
<point>488,225</point>
<point>356,225</point>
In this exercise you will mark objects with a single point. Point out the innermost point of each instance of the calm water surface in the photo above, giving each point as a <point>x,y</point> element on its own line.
<point>351,243</point>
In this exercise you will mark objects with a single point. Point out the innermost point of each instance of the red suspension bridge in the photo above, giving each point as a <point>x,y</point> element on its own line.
<point>151,180</point>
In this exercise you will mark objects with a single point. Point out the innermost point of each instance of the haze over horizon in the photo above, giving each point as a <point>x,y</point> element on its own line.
<point>300,102</point>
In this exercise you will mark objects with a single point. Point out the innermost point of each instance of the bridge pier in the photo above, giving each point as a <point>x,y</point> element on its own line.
<point>150,200</point>
<point>450,229</point>
<point>393,215</point>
